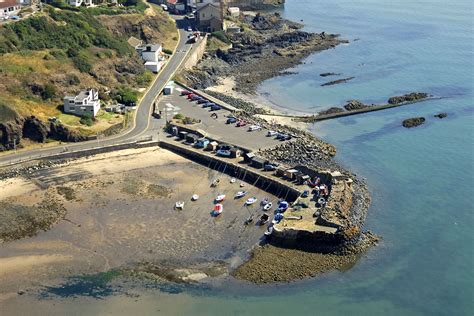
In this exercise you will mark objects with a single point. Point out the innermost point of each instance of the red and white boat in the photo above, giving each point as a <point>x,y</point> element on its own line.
<point>220,198</point>
<point>218,208</point>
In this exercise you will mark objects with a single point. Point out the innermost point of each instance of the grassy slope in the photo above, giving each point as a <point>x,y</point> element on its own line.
<point>34,53</point>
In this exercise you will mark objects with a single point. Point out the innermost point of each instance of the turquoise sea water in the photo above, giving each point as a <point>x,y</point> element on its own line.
<point>421,179</point>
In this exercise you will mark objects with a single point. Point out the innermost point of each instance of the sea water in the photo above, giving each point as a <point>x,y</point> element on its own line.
<point>420,179</point>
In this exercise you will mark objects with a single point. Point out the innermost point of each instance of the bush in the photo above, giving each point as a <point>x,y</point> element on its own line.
<point>49,91</point>
<point>126,96</point>
<point>144,78</point>
<point>167,51</point>
<point>179,116</point>
<point>82,63</point>
<point>73,80</point>
<point>87,119</point>
<point>220,35</point>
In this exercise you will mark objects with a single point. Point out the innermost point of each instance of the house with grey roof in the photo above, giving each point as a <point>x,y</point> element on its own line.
<point>86,102</point>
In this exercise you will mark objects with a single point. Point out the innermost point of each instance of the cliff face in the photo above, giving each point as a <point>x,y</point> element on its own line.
<point>12,132</point>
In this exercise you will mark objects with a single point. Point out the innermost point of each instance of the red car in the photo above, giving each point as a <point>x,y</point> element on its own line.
<point>191,95</point>
<point>241,123</point>
<point>185,92</point>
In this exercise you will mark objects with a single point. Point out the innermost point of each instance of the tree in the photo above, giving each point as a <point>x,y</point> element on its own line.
<point>49,91</point>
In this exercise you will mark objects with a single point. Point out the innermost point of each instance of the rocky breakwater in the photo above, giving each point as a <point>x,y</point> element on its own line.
<point>410,97</point>
<point>12,132</point>
<point>267,46</point>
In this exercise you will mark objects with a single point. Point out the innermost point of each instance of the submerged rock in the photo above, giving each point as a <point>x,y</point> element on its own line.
<point>413,122</point>
<point>331,83</point>
<point>327,74</point>
<point>441,115</point>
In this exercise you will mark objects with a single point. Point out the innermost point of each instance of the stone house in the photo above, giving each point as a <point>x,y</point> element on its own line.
<point>209,19</point>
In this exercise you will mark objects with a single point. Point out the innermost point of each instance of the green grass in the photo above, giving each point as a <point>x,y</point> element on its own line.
<point>6,113</point>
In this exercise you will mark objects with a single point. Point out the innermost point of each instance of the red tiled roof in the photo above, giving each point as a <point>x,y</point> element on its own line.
<point>171,1</point>
<point>8,3</point>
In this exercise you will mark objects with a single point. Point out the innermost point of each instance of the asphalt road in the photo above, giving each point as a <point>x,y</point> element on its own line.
<point>142,115</point>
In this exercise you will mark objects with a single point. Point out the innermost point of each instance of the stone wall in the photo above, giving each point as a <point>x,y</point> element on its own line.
<point>196,53</point>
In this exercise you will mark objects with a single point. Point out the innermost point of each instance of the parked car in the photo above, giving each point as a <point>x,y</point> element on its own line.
<point>241,123</point>
<point>281,136</point>
<point>190,29</point>
<point>190,96</point>
<point>305,194</point>
<point>208,104</point>
<point>270,166</point>
<point>254,128</point>
<point>185,92</point>
<point>271,133</point>
<point>231,120</point>
<point>196,98</point>
<point>202,101</point>
<point>223,153</point>
<point>215,107</point>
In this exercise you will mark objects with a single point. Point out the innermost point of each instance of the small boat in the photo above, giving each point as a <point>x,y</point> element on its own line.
<point>242,185</point>
<point>179,205</point>
<point>251,200</point>
<point>218,208</point>
<point>264,202</point>
<point>240,194</point>
<point>267,206</point>
<point>215,183</point>
<point>249,220</point>
<point>195,197</point>
<point>269,231</point>
<point>283,205</point>
<point>232,180</point>
<point>277,219</point>
<point>321,201</point>
<point>264,219</point>
<point>220,198</point>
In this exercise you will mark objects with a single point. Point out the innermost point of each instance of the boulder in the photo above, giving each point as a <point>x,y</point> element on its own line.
<point>62,133</point>
<point>441,115</point>
<point>354,105</point>
<point>10,134</point>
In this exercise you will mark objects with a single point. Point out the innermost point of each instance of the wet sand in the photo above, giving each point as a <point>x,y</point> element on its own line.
<point>120,211</point>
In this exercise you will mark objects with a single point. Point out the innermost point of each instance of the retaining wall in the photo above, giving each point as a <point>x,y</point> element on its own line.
<point>196,53</point>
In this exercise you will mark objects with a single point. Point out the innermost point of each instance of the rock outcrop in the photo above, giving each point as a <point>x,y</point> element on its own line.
<point>355,105</point>
<point>441,115</point>
<point>410,97</point>
<point>413,122</point>
<point>10,134</point>
<point>35,129</point>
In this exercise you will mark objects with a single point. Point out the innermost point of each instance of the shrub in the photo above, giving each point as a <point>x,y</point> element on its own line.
<point>179,116</point>
<point>82,63</point>
<point>126,96</point>
<point>73,80</point>
<point>167,51</point>
<point>49,91</point>
<point>144,78</point>
<point>87,119</point>
<point>221,36</point>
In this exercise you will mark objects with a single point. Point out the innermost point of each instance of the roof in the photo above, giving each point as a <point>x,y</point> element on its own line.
<point>8,3</point>
<point>208,5</point>
<point>171,1</point>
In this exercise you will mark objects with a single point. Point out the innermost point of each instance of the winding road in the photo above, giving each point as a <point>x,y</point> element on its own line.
<point>140,128</point>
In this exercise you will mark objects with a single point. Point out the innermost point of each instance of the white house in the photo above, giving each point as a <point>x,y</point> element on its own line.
<point>151,52</point>
<point>9,8</point>
<point>86,102</point>
<point>78,3</point>
<point>154,66</point>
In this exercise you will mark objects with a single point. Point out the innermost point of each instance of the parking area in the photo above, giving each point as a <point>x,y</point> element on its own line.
<point>214,122</point>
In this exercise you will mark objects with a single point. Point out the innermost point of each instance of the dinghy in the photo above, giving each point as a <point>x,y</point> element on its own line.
<point>179,205</point>
<point>264,202</point>
<point>218,208</point>
<point>269,231</point>
<point>240,194</point>
<point>267,206</point>
<point>195,197</point>
<point>232,180</point>
<point>242,185</point>
<point>220,198</point>
<point>251,200</point>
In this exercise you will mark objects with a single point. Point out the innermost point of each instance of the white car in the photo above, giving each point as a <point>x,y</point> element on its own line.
<point>271,133</point>
<point>254,128</point>
<point>190,29</point>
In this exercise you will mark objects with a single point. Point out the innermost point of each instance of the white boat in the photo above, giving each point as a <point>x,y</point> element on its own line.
<point>232,180</point>
<point>268,206</point>
<point>195,197</point>
<point>242,185</point>
<point>179,205</point>
<point>269,231</point>
<point>240,194</point>
<point>220,198</point>
<point>251,200</point>
<point>265,201</point>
